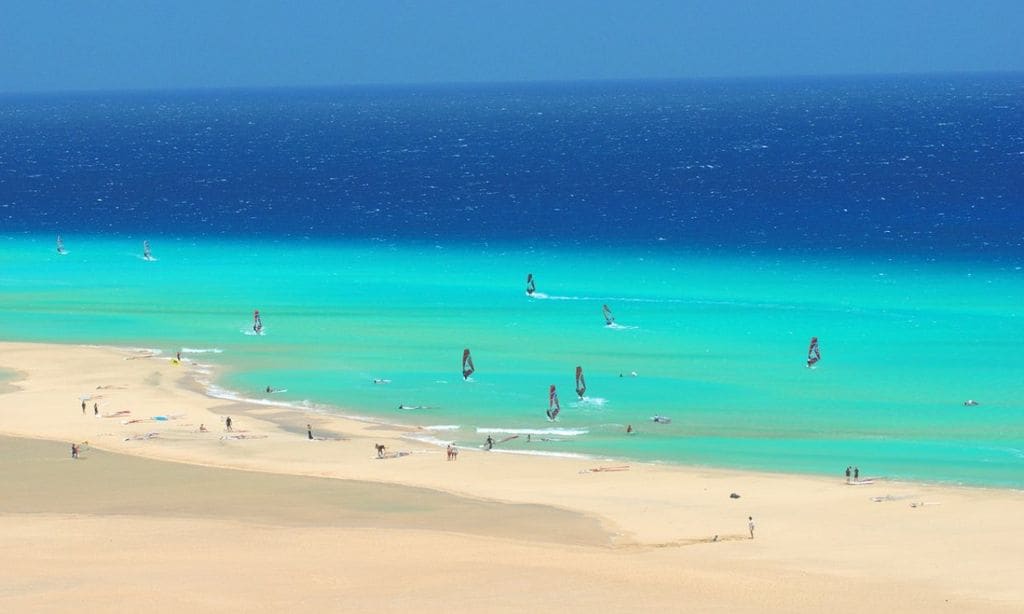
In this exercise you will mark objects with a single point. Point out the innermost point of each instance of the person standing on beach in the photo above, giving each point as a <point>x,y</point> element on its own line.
<point>847,474</point>
<point>74,450</point>
<point>750,525</point>
<point>227,424</point>
<point>96,409</point>
<point>83,407</point>
<point>309,431</point>
<point>856,474</point>
<point>489,443</point>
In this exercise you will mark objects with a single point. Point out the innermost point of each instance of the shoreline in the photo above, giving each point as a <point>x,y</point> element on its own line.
<point>206,387</point>
<point>954,542</point>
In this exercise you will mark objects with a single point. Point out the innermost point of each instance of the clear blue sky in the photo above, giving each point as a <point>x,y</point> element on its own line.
<point>48,45</point>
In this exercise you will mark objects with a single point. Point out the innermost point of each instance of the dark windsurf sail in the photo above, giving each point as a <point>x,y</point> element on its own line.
<point>581,384</point>
<point>60,245</point>
<point>148,255</point>
<point>531,287</point>
<point>608,317</point>
<point>813,352</point>
<point>553,407</point>
<point>257,322</point>
<point>467,364</point>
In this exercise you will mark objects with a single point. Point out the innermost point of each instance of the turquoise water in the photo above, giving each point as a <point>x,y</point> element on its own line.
<point>718,344</point>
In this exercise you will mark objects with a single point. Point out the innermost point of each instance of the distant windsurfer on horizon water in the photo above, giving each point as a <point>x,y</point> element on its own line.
<point>581,384</point>
<point>553,407</point>
<point>813,353</point>
<point>467,364</point>
<point>60,245</point>
<point>609,319</point>
<point>257,322</point>
<point>531,287</point>
<point>146,254</point>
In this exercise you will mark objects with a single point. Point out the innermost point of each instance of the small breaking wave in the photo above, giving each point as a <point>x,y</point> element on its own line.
<point>434,441</point>
<point>202,351</point>
<point>552,431</point>
<point>443,427</point>
<point>539,453</point>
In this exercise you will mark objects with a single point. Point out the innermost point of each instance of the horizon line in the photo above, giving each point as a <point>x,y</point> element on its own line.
<point>512,82</point>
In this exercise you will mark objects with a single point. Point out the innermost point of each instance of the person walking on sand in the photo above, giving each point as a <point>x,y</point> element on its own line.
<point>449,451</point>
<point>847,474</point>
<point>227,424</point>
<point>96,409</point>
<point>74,450</point>
<point>750,525</point>
<point>83,407</point>
<point>455,453</point>
<point>309,431</point>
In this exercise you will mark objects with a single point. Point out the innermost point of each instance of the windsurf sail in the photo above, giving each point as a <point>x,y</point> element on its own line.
<point>813,352</point>
<point>257,322</point>
<point>148,255</point>
<point>467,364</point>
<point>608,317</point>
<point>60,244</point>
<point>531,287</point>
<point>553,407</point>
<point>581,384</point>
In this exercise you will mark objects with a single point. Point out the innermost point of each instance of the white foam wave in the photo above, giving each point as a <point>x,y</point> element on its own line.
<point>434,441</point>
<point>539,453</point>
<point>591,401</point>
<point>552,431</point>
<point>202,351</point>
<point>443,427</point>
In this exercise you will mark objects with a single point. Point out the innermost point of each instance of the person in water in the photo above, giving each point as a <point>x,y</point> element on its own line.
<point>309,431</point>
<point>489,443</point>
<point>629,429</point>
<point>269,389</point>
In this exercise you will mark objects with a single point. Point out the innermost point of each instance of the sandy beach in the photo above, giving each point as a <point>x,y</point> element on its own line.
<point>158,514</point>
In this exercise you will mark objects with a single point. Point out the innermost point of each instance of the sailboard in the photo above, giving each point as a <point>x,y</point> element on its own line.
<point>813,352</point>
<point>257,322</point>
<point>581,384</point>
<point>531,286</point>
<point>553,407</point>
<point>60,246</point>
<point>146,253</point>
<point>608,317</point>
<point>467,364</point>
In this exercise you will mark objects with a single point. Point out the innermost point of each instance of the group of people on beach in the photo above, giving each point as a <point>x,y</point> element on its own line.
<point>856,474</point>
<point>453,452</point>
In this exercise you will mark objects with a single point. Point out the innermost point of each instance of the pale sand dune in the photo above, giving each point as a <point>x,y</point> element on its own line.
<point>114,533</point>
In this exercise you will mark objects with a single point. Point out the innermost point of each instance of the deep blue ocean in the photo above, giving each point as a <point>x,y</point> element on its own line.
<point>382,230</point>
<point>923,165</point>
